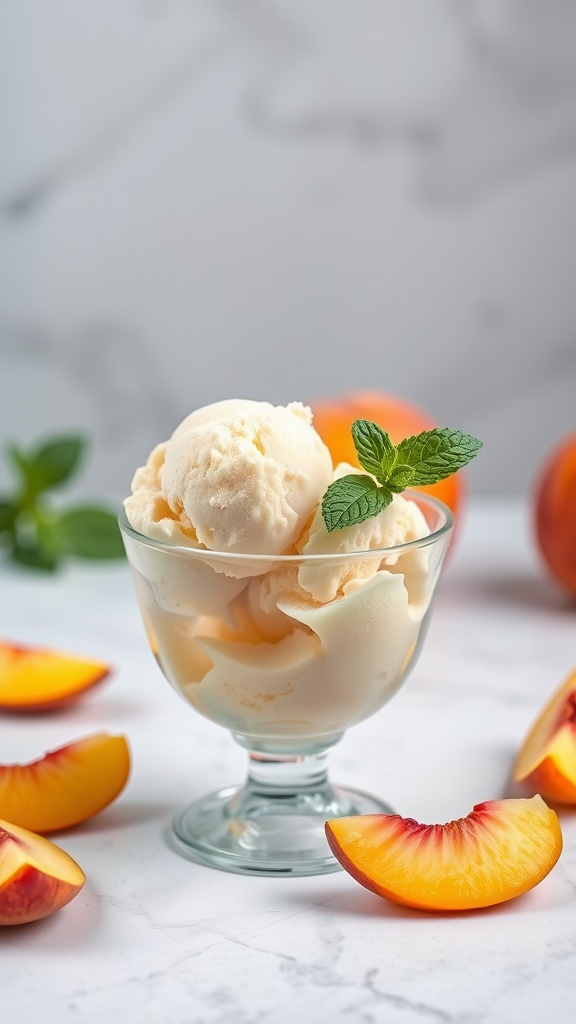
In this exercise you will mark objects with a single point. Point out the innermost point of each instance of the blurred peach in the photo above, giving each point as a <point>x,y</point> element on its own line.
<point>554,508</point>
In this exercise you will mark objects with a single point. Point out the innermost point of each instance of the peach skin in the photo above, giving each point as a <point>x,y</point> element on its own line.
<point>36,877</point>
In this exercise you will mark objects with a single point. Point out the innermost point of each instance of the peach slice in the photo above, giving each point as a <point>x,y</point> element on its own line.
<point>37,679</point>
<point>67,785</point>
<point>546,761</point>
<point>500,850</point>
<point>36,877</point>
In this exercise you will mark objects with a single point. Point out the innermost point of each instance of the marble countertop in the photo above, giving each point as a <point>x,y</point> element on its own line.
<point>154,938</point>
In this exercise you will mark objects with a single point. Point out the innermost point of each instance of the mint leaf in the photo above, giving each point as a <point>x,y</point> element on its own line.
<point>351,500</point>
<point>47,535</point>
<point>34,534</point>
<point>49,466</point>
<point>8,513</point>
<point>436,454</point>
<point>26,469</point>
<point>400,478</point>
<point>375,451</point>
<point>90,533</point>
<point>422,459</point>
<point>57,460</point>
<point>34,540</point>
<point>36,557</point>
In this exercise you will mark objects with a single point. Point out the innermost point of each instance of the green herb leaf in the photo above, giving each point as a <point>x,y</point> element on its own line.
<point>351,500</point>
<point>8,513</point>
<point>376,453</point>
<point>47,534</point>
<point>400,478</point>
<point>437,454</point>
<point>26,471</point>
<point>48,466</point>
<point>35,556</point>
<point>31,532</point>
<point>423,459</point>
<point>90,532</point>
<point>58,459</point>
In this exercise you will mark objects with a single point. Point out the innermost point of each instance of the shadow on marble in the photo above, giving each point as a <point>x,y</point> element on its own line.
<point>113,708</point>
<point>125,814</point>
<point>362,903</point>
<point>512,790</point>
<point>82,710</point>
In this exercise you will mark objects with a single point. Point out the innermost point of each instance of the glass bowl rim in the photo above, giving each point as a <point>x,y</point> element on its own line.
<point>244,557</point>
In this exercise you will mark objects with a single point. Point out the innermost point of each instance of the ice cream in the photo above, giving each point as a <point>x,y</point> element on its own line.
<point>237,475</point>
<point>265,622</point>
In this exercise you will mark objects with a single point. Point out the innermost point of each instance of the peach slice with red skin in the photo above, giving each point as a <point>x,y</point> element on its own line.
<point>38,679</point>
<point>36,876</point>
<point>546,761</point>
<point>67,785</point>
<point>500,850</point>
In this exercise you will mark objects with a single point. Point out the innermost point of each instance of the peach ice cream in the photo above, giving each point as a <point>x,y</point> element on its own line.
<point>235,476</point>
<point>260,618</point>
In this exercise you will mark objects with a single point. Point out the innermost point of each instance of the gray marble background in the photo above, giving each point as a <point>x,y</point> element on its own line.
<point>285,199</point>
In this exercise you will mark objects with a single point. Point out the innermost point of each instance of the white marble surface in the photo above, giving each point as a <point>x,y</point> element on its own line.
<point>284,199</point>
<point>154,938</point>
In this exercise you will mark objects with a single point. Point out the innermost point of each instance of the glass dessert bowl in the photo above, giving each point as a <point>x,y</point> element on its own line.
<point>287,652</point>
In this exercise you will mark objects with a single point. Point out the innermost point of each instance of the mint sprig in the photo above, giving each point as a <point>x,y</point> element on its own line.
<point>36,534</point>
<point>422,459</point>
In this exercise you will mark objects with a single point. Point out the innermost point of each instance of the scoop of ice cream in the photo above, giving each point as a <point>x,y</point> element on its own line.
<point>400,522</point>
<point>308,585</point>
<point>226,407</point>
<point>236,476</point>
<point>264,594</point>
<point>147,509</point>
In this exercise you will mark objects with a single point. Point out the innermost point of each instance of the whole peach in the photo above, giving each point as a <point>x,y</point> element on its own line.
<point>555,512</point>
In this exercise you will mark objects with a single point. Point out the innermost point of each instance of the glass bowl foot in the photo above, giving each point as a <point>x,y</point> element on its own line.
<point>256,831</point>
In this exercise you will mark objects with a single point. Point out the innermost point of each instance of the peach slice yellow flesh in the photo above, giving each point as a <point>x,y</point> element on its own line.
<point>67,785</point>
<point>36,679</point>
<point>36,876</point>
<point>500,850</point>
<point>546,761</point>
